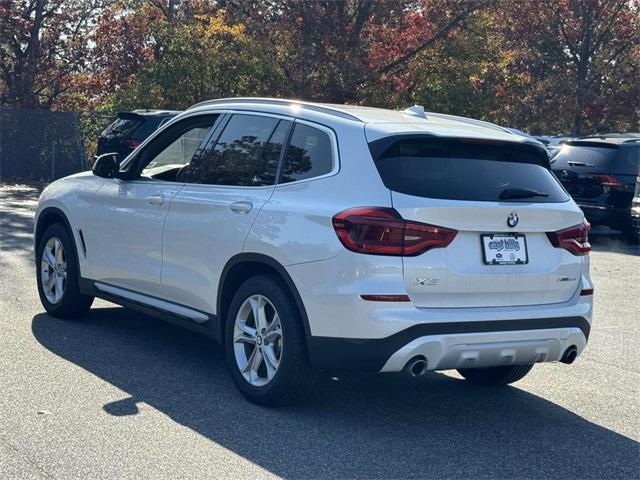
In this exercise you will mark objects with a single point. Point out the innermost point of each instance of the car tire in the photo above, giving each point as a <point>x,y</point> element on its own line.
<point>293,378</point>
<point>63,299</point>
<point>495,375</point>
<point>630,234</point>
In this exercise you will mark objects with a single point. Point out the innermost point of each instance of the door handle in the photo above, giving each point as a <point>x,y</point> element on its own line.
<point>155,200</point>
<point>241,207</point>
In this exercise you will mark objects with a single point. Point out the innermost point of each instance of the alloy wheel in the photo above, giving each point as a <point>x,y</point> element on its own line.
<point>257,340</point>
<point>53,268</point>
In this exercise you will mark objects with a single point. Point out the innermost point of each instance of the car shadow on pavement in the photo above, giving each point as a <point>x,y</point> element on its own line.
<point>362,426</point>
<point>17,208</point>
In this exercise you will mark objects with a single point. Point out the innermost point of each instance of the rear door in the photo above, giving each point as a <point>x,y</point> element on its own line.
<point>210,217</point>
<point>501,255</point>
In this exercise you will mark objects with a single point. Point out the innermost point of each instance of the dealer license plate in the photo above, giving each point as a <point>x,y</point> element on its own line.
<point>504,249</point>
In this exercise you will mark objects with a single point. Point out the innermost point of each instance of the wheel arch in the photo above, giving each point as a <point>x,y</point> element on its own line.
<point>243,266</point>
<point>47,217</point>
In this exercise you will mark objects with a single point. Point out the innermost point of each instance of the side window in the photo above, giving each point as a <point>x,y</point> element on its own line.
<point>245,154</point>
<point>173,149</point>
<point>309,154</point>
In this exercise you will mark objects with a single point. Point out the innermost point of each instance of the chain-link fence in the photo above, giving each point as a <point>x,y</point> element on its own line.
<point>45,145</point>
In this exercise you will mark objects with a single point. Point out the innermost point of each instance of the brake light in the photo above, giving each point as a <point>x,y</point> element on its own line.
<point>607,180</point>
<point>382,231</point>
<point>574,239</point>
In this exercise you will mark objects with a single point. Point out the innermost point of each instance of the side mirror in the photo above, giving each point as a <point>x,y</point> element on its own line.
<point>107,165</point>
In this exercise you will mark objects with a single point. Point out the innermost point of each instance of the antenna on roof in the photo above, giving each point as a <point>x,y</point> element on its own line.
<point>416,111</point>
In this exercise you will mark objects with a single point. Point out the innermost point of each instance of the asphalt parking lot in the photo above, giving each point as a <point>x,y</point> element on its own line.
<point>121,395</point>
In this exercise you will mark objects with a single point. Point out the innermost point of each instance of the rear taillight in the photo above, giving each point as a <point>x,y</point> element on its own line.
<point>607,180</point>
<point>382,231</point>
<point>575,239</point>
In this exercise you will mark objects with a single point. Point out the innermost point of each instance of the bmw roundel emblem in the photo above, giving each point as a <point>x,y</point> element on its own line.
<point>512,219</point>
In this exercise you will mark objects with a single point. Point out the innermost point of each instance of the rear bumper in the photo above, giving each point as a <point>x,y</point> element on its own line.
<point>455,345</point>
<point>346,332</point>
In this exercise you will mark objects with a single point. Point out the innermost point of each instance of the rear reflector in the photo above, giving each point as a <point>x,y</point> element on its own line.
<point>385,298</point>
<point>586,292</point>
<point>574,239</point>
<point>382,231</point>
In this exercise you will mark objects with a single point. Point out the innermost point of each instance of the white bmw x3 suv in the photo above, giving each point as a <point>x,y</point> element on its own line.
<point>308,236</point>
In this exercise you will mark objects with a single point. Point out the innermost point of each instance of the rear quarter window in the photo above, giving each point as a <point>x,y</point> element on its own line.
<point>308,155</point>
<point>457,170</point>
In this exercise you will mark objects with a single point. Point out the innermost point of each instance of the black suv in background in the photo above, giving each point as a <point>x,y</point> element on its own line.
<point>130,129</point>
<point>602,175</point>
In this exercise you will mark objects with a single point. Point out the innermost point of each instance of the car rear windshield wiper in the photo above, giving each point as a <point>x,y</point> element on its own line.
<point>579,164</point>
<point>514,193</point>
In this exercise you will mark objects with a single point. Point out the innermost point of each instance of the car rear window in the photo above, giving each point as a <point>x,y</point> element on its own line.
<point>122,127</point>
<point>147,127</point>
<point>603,158</point>
<point>461,170</point>
<point>136,128</point>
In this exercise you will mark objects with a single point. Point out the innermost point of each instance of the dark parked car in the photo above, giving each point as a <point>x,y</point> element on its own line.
<point>602,175</point>
<point>130,129</point>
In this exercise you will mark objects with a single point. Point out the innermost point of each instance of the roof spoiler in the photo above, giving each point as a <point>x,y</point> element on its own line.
<point>379,147</point>
<point>130,116</point>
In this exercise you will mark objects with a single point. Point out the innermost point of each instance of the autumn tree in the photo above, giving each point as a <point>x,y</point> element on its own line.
<point>338,51</point>
<point>44,49</point>
<point>575,64</point>
<point>178,64</point>
<point>600,37</point>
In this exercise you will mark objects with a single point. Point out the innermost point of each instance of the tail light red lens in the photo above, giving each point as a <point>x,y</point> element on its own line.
<point>575,239</point>
<point>607,180</point>
<point>382,231</point>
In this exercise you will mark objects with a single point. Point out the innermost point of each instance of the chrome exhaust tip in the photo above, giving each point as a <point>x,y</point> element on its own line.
<point>416,367</point>
<point>570,355</point>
